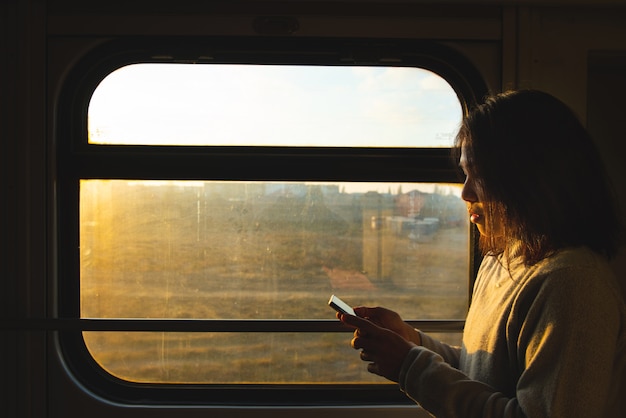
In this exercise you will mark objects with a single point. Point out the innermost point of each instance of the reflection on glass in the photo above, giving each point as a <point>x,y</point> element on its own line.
<point>259,250</point>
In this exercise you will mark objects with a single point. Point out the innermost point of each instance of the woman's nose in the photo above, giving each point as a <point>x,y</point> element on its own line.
<point>468,193</point>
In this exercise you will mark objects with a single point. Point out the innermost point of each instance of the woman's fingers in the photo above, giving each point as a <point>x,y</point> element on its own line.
<point>383,349</point>
<point>357,322</point>
<point>360,343</point>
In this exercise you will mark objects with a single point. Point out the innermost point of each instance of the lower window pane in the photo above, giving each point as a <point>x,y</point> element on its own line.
<point>240,250</point>
<point>232,358</point>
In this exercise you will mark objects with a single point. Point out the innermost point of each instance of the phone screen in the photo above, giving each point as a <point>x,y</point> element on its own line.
<point>340,306</point>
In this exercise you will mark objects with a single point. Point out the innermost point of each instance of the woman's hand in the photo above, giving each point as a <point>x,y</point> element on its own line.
<point>389,319</point>
<point>384,349</point>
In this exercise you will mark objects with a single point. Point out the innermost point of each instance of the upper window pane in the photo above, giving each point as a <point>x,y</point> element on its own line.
<point>273,105</point>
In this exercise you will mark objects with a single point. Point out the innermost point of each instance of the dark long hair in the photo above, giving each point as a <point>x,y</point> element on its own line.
<point>541,175</point>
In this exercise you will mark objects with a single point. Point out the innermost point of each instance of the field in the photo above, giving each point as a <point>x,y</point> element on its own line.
<point>210,253</point>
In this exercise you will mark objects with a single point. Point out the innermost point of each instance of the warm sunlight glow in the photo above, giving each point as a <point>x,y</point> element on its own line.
<point>184,104</point>
<point>261,250</point>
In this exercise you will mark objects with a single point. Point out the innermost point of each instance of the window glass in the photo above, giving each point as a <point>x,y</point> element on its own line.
<point>233,358</point>
<point>273,105</point>
<point>262,250</point>
<point>157,248</point>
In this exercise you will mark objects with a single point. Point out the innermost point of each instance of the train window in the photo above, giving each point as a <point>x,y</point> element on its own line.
<point>177,104</point>
<point>216,206</point>
<point>263,250</point>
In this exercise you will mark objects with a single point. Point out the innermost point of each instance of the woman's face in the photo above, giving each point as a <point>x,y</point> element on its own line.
<point>473,196</point>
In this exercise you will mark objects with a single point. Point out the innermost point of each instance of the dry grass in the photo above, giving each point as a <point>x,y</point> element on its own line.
<point>189,256</point>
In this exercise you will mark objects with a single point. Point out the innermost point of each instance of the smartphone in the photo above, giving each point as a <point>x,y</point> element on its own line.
<point>340,306</point>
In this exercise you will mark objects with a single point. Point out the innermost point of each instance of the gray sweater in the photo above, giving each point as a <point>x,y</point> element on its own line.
<point>547,340</point>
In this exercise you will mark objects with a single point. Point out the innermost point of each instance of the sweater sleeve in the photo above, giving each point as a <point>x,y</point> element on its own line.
<point>446,392</point>
<point>562,334</point>
<point>449,353</point>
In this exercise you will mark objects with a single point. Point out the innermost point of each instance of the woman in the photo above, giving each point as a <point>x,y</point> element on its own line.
<point>545,335</point>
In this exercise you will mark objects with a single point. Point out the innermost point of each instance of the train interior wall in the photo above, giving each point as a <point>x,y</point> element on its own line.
<point>574,50</point>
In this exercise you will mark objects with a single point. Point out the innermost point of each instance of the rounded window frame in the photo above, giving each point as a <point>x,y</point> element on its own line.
<point>76,158</point>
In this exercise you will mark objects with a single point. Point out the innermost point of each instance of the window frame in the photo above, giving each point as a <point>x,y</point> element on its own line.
<point>77,159</point>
